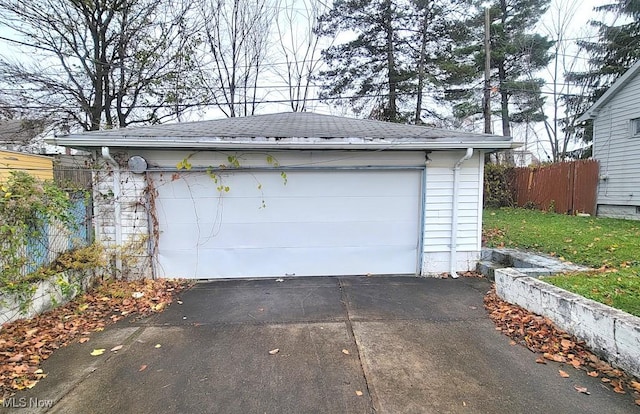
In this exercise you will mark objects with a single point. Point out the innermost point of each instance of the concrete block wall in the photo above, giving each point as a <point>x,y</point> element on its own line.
<point>46,296</point>
<point>610,333</point>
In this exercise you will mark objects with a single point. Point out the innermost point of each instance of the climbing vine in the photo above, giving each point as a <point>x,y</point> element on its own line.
<point>27,206</point>
<point>233,162</point>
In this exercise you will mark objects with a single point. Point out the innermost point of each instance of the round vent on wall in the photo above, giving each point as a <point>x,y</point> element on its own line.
<point>137,164</point>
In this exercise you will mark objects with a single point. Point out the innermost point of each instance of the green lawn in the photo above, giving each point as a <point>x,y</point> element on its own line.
<point>610,245</point>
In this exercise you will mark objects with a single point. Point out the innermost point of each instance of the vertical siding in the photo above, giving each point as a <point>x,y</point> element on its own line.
<point>37,165</point>
<point>616,149</point>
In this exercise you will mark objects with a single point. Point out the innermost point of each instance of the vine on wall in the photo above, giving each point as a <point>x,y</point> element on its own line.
<point>233,162</point>
<point>28,208</point>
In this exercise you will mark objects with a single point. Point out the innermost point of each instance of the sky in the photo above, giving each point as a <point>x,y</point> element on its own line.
<point>535,137</point>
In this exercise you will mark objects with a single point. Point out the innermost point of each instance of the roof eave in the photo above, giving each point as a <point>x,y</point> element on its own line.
<point>593,111</point>
<point>283,145</point>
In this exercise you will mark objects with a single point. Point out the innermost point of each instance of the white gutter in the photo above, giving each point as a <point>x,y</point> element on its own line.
<point>117,207</point>
<point>284,144</point>
<point>454,212</point>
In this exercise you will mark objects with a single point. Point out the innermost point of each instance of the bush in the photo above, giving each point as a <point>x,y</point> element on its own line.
<point>498,186</point>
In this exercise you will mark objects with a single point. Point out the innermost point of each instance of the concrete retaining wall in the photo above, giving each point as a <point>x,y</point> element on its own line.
<point>608,332</point>
<point>48,294</point>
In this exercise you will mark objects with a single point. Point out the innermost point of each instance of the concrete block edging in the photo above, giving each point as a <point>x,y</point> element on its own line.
<point>608,332</point>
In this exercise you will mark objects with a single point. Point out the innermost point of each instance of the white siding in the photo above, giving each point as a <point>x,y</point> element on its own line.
<point>438,212</point>
<point>617,149</point>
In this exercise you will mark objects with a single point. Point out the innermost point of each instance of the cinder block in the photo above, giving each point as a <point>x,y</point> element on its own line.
<point>556,304</point>
<point>594,323</point>
<point>627,338</point>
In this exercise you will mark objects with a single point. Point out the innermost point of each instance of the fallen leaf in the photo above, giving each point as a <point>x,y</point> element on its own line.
<point>540,360</point>
<point>274,351</point>
<point>563,374</point>
<point>566,344</point>
<point>158,346</point>
<point>576,363</point>
<point>359,393</point>
<point>512,342</point>
<point>635,385</point>
<point>16,358</point>
<point>581,389</point>
<point>345,351</point>
<point>617,387</point>
<point>97,352</point>
<point>593,374</point>
<point>637,402</point>
<point>605,380</point>
<point>142,368</point>
<point>137,295</point>
<point>83,339</point>
<point>116,348</point>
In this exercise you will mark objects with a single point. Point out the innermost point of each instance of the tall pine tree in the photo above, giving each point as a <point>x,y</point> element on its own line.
<point>616,50</point>
<point>393,56</point>
<point>366,68</point>
<point>516,55</point>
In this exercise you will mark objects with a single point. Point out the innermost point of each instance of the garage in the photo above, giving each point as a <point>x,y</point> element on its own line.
<point>318,222</point>
<point>297,194</point>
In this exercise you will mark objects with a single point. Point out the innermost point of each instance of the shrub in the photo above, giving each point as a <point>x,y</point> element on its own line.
<point>498,186</point>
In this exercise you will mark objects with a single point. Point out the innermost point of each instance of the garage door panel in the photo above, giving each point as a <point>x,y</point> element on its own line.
<point>288,209</point>
<point>288,262</point>
<point>260,235</point>
<point>319,223</point>
<point>193,185</point>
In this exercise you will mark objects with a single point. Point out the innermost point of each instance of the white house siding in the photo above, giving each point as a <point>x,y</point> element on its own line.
<point>619,153</point>
<point>134,199</point>
<point>438,212</point>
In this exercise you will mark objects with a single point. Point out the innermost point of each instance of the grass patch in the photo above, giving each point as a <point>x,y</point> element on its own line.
<point>609,245</point>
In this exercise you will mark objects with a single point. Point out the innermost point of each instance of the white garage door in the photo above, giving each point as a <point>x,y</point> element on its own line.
<point>336,222</point>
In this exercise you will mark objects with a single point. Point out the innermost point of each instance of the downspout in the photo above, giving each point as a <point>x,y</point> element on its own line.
<point>117,208</point>
<point>454,212</point>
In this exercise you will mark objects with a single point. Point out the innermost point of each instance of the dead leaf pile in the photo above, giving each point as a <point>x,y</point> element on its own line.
<point>540,335</point>
<point>25,343</point>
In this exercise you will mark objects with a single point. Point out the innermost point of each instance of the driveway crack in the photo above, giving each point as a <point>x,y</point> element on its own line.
<point>373,400</point>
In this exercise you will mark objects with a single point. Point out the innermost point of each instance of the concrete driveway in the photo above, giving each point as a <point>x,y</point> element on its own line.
<point>412,345</point>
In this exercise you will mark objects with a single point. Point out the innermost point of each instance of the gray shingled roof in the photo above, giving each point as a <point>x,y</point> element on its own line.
<point>19,131</point>
<point>284,130</point>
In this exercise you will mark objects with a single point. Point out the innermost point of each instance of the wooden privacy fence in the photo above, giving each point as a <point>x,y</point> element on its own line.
<point>566,187</point>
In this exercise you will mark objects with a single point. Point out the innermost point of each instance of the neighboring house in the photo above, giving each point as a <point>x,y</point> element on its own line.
<point>37,165</point>
<point>290,194</point>
<point>616,145</point>
<point>20,134</point>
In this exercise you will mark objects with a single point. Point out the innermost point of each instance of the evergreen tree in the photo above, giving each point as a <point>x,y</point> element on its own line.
<point>394,56</point>
<point>616,50</point>
<point>366,67</point>
<point>516,55</point>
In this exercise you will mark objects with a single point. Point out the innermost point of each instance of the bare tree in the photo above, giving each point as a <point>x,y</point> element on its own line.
<point>560,122</point>
<point>236,36</point>
<point>297,27</point>
<point>99,63</point>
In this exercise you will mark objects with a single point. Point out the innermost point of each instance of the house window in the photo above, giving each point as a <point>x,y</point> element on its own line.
<point>635,127</point>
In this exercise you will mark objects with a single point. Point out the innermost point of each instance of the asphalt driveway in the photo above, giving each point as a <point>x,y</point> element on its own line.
<point>345,345</point>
